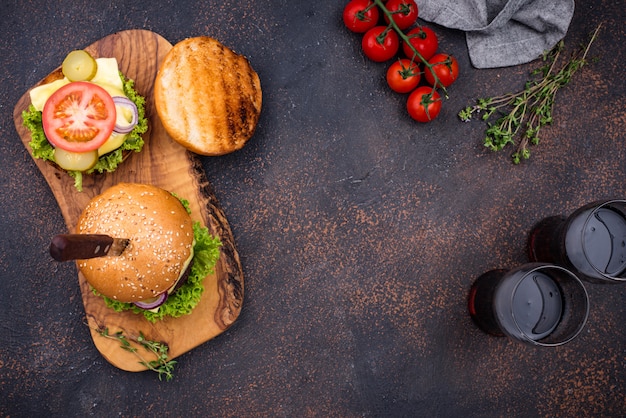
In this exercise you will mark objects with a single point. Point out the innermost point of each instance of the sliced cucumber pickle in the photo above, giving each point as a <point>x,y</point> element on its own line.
<point>79,65</point>
<point>75,161</point>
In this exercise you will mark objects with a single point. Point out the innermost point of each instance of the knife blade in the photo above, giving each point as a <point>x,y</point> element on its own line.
<point>65,247</point>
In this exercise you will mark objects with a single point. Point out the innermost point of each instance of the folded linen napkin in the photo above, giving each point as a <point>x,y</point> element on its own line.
<point>502,33</point>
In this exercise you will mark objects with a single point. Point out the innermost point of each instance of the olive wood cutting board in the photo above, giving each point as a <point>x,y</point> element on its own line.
<point>163,163</point>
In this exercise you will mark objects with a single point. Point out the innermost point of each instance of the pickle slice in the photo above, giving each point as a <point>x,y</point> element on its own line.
<point>75,161</point>
<point>79,65</point>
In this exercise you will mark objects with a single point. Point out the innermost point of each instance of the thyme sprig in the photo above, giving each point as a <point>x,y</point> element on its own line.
<point>524,113</point>
<point>162,365</point>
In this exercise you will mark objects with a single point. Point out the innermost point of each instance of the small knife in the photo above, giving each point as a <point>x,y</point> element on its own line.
<point>65,247</point>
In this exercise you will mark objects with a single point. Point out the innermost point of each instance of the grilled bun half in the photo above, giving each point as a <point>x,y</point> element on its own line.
<point>161,241</point>
<point>207,96</point>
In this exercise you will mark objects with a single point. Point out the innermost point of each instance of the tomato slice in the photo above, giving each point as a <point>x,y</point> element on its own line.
<point>79,117</point>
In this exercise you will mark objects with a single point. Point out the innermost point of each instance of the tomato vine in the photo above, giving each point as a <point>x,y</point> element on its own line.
<point>381,24</point>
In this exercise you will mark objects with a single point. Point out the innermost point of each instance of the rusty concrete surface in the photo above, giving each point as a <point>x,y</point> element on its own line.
<point>360,231</point>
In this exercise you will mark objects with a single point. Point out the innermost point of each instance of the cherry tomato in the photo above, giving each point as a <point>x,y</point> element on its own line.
<point>78,117</point>
<point>424,104</point>
<point>403,76</point>
<point>424,40</point>
<point>445,67</point>
<point>360,15</point>
<point>404,12</point>
<point>380,43</point>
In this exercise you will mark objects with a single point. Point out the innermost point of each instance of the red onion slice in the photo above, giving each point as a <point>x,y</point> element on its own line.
<point>153,303</point>
<point>127,103</point>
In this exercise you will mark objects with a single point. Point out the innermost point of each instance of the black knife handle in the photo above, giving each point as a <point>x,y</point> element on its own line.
<point>66,247</point>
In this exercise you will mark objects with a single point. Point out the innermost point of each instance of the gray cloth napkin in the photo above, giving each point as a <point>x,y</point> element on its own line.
<point>502,33</point>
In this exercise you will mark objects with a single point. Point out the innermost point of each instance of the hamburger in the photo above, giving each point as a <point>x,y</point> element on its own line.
<point>168,255</point>
<point>86,117</point>
<point>207,96</point>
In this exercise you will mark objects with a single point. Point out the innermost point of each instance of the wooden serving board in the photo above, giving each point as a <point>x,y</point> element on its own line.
<point>163,163</point>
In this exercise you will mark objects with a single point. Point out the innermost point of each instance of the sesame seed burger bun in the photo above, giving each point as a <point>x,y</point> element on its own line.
<point>161,241</point>
<point>207,96</point>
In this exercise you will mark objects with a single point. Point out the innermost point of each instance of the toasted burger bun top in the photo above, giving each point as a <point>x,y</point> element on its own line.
<point>207,96</point>
<point>161,241</point>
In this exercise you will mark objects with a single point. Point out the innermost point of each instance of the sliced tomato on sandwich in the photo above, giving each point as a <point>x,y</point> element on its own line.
<point>79,117</point>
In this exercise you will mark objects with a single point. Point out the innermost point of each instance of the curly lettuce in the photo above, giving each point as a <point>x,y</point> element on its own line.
<point>108,162</point>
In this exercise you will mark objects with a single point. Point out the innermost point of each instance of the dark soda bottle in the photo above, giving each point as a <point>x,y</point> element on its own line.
<point>537,303</point>
<point>480,302</point>
<point>546,240</point>
<point>591,242</point>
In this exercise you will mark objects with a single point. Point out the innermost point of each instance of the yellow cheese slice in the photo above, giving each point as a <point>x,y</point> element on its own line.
<point>39,95</point>
<point>107,77</point>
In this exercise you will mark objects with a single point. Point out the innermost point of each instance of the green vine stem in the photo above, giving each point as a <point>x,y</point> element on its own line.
<point>404,38</point>
<point>524,113</point>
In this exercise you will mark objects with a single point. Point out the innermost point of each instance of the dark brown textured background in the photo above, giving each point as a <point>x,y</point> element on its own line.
<point>359,231</point>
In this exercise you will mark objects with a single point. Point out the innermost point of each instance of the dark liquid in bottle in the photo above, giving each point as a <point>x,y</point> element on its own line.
<point>480,302</point>
<point>537,305</point>
<point>544,241</point>
<point>604,243</point>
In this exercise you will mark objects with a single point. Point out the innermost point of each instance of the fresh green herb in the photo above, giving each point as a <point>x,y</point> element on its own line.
<point>108,162</point>
<point>523,114</point>
<point>162,364</point>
